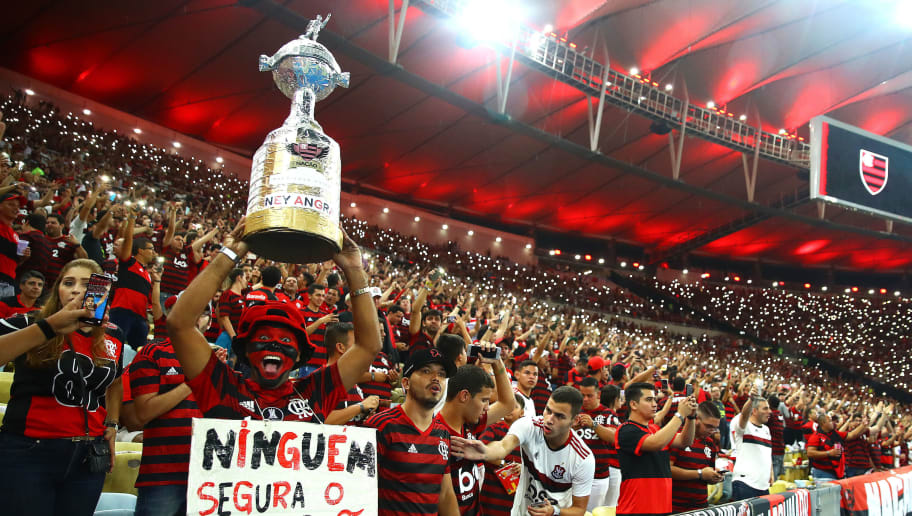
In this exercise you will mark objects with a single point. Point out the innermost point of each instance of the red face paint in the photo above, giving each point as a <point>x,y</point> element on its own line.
<point>272,352</point>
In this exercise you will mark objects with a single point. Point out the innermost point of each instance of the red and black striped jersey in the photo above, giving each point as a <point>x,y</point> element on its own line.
<point>12,305</point>
<point>883,454</point>
<point>560,365</point>
<point>166,439</point>
<point>646,476</point>
<point>604,451</point>
<point>40,252</point>
<point>689,495</point>
<point>9,258</point>
<point>62,252</point>
<point>856,452</point>
<point>110,267</point>
<point>466,474</point>
<point>414,463</point>
<point>796,421</point>
<point>541,392</point>
<point>730,410</point>
<point>494,497</point>
<point>776,425</point>
<point>826,442</point>
<point>231,305</point>
<point>381,364</point>
<point>160,328</point>
<point>133,288</point>
<point>223,393</point>
<point>52,402</point>
<point>180,268</point>
<point>158,238</point>
<point>318,359</point>
<point>419,341</point>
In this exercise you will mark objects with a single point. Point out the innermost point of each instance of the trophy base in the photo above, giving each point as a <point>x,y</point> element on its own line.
<point>291,246</point>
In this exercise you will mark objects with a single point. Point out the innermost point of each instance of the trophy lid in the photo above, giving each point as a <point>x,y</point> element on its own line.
<point>305,63</point>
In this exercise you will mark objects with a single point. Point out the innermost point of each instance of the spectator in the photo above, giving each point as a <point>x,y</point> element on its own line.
<point>693,467</point>
<point>60,413</point>
<point>415,446</point>
<point>643,446</point>
<point>133,288</point>
<point>466,413</point>
<point>613,398</point>
<point>64,248</point>
<point>271,276</point>
<point>316,326</point>
<point>10,201</point>
<point>94,234</point>
<point>271,340</point>
<point>453,348</point>
<point>753,473</point>
<point>423,326</point>
<point>858,458</point>
<point>576,375</point>
<point>826,447</point>
<point>597,425</point>
<point>496,499</point>
<point>526,379</point>
<point>776,425</point>
<point>558,467</point>
<point>40,248</point>
<point>340,337</point>
<point>231,306</point>
<point>31,285</point>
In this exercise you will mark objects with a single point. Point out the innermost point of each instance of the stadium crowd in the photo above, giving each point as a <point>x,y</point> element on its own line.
<point>556,392</point>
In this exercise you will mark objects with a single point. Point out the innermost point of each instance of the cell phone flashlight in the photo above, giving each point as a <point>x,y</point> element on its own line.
<point>97,297</point>
<point>477,351</point>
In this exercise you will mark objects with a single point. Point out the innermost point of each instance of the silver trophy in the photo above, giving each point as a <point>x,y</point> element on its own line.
<point>296,179</point>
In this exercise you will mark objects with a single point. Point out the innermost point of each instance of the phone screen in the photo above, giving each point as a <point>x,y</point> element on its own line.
<point>689,390</point>
<point>476,351</point>
<point>664,384</point>
<point>97,298</point>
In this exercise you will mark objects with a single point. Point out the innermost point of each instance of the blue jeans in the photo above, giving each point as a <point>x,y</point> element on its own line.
<point>821,474</point>
<point>724,433</point>
<point>134,327</point>
<point>742,491</point>
<point>855,472</point>
<point>161,500</point>
<point>46,477</point>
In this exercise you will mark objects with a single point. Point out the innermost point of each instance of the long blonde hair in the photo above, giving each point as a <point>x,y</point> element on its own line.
<point>50,351</point>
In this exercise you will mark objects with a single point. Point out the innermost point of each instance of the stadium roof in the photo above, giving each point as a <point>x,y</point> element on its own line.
<point>428,130</point>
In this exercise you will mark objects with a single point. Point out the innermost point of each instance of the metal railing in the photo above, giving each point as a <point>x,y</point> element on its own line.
<point>560,59</point>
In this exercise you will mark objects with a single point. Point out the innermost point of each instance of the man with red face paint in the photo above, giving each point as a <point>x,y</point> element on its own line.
<point>272,340</point>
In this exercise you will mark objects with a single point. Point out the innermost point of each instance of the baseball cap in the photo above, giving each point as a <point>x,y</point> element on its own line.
<point>376,292</point>
<point>13,195</point>
<point>596,363</point>
<point>424,357</point>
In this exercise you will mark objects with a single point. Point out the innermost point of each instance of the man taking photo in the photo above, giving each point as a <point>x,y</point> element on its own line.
<point>643,451</point>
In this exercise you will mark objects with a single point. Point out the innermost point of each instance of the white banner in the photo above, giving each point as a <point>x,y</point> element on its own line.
<point>277,467</point>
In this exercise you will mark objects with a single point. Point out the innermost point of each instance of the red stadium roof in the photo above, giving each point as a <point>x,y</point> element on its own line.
<point>421,132</point>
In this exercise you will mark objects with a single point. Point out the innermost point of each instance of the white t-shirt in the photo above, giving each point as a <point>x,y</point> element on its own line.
<point>754,451</point>
<point>555,475</point>
<point>528,404</point>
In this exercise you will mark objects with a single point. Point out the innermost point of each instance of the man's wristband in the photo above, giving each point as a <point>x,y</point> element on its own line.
<point>700,474</point>
<point>681,417</point>
<point>692,417</point>
<point>229,253</point>
<point>46,328</point>
<point>360,291</point>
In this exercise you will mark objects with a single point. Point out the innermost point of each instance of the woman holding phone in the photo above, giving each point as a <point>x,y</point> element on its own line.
<point>57,437</point>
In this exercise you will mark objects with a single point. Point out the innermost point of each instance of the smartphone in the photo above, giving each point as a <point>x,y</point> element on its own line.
<point>689,389</point>
<point>664,384</point>
<point>97,298</point>
<point>451,319</point>
<point>112,197</point>
<point>477,351</point>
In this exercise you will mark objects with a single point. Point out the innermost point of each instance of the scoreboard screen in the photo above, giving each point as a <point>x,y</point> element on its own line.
<point>861,170</point>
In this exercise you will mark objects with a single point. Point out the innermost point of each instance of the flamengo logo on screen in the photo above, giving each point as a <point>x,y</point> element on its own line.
<point>891,496</point>
<point>874,171</point>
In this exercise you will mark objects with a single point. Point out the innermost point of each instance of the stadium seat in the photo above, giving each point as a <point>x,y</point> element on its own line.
<point>126,469</point>
<point>115,504</point>
<point>603,511</point>
<point>6,381</point>
<point>120,447</point>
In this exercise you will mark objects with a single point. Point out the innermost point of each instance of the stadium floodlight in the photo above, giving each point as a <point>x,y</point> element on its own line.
<point>487,21</point>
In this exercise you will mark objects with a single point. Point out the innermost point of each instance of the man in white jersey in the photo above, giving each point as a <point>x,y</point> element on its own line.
<point>558,467</point>
<point>753,473</point>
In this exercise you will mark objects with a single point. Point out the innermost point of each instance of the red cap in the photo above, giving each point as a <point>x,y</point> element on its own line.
<point>596,363</point>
